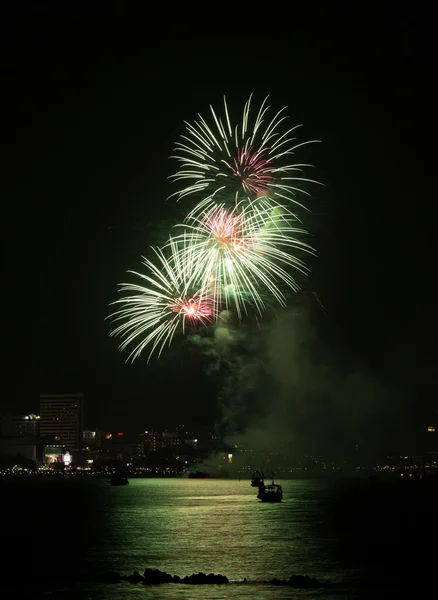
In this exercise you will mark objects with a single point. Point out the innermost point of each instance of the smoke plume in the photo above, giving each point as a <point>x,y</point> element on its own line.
<point>285,391</point>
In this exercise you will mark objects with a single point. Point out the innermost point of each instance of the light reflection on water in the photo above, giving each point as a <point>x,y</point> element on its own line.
<point>213,526</point>
<point>349,535</point>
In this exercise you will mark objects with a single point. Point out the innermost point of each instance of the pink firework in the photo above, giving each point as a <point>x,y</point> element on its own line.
<point>253,170</point>
<point>222,162</point>
<point>200,308</point>
<point>225,226</point>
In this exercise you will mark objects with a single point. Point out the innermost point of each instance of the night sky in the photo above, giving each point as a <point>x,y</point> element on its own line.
<point>95,102</point>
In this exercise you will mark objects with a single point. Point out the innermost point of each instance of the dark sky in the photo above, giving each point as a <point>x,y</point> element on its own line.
<point>95,102</point>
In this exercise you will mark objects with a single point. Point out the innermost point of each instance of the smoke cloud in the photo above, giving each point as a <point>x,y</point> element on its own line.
<point>285,391</point>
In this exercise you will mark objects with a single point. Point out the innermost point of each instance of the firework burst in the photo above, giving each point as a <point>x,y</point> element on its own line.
<point>242,242</point>
<point>227,164</point>
<point>166,300</point>
<point>240,253</point>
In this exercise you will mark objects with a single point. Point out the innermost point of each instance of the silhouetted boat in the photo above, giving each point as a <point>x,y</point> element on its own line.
<point>258,479</point>
<point>118,478</point>
<point>271,492</point>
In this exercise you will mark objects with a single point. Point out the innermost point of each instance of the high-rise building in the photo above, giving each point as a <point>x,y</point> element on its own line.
<point>61,417</point>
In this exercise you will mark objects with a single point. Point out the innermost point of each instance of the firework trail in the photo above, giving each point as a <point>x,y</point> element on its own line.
<point>224,163</point>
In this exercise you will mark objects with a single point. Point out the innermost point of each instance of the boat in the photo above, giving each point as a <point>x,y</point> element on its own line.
<point>118,478</point>
<point>271,492</point>
<point>258,479</point>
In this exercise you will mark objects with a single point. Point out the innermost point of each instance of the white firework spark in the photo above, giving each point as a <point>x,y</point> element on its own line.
<point>240,253</point>
<point>221,163</point>
<point>166,301</point>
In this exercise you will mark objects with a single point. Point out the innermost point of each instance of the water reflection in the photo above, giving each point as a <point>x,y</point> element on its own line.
<point>57,530</point>
<point>186,526</point>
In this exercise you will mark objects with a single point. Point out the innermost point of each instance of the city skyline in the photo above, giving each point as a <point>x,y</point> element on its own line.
<point>31,444</point>
<point>58,430</point>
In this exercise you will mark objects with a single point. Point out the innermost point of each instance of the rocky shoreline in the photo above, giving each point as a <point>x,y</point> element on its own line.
<point>157,577</point>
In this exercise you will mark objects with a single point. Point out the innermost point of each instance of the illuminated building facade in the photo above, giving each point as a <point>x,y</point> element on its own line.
<point>61,417</point>
<point>93,438</point>
<point>149,439</point>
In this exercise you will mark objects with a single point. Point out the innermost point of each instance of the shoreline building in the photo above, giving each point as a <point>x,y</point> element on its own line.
<point>19,425</point>
<point>61,418</point>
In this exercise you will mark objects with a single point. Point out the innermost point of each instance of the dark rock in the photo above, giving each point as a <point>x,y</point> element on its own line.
<point>155,577</point>
<point>134,578</point>
<point>203,579</point>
